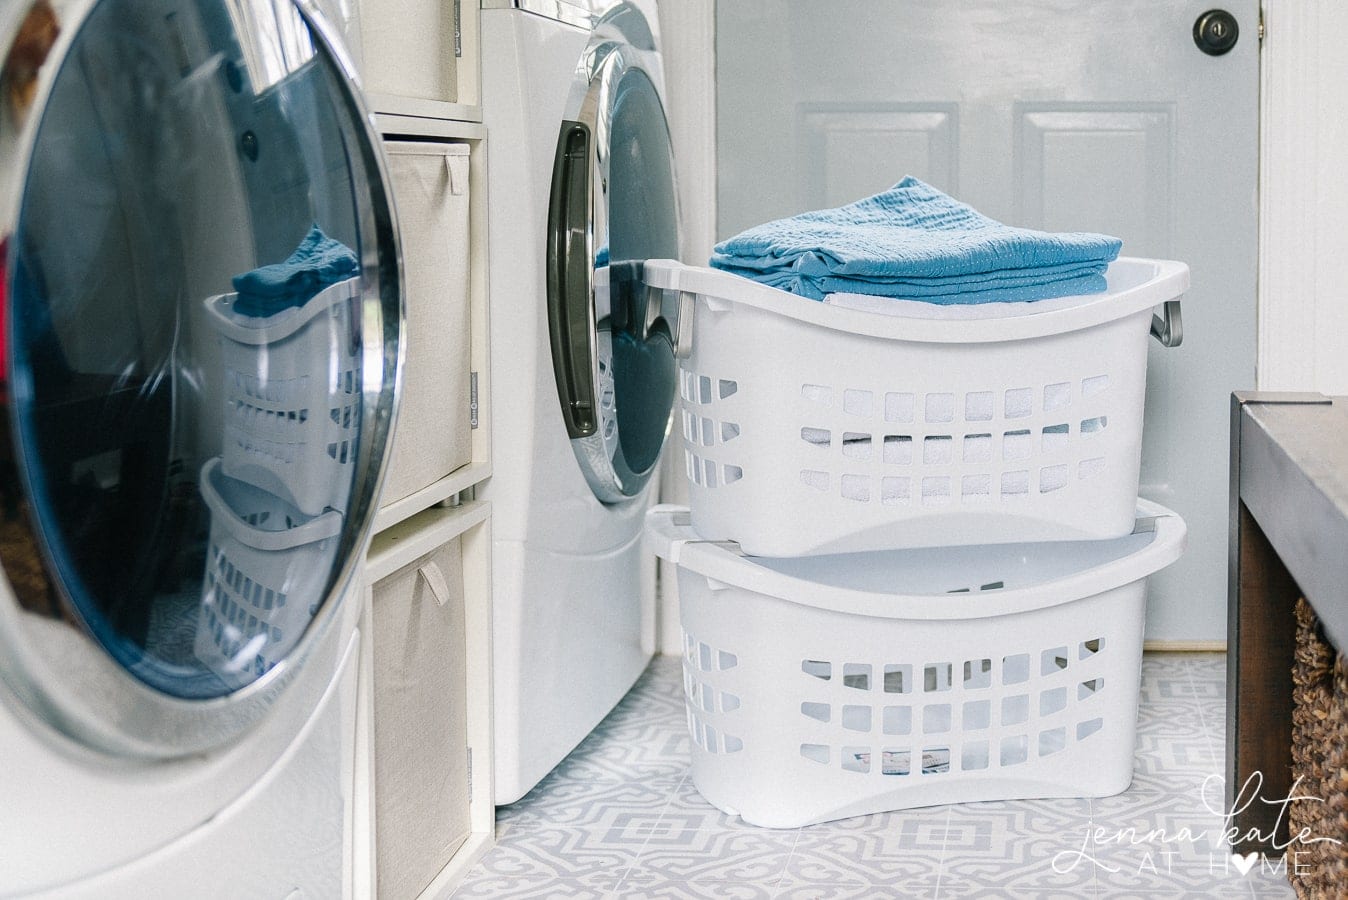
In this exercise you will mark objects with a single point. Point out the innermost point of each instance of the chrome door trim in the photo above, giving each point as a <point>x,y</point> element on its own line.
<point>59,674</point>
<point>622,43</point>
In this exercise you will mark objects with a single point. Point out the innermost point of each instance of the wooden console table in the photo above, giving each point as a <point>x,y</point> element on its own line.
<point>1289,538</point>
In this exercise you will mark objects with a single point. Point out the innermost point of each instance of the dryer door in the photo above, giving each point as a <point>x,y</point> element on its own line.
<point>201,330</point>
<point>613,207</point>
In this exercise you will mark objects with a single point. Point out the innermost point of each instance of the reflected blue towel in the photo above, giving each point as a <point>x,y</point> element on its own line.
<point>914,242</point>
<point>317,262</point>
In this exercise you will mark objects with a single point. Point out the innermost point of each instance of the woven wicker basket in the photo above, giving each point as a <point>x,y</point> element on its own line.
<point>1320,759</point>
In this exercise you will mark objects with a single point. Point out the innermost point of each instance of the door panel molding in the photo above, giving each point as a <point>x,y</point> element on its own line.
<point>1051,138</point>
<point>878,142</point>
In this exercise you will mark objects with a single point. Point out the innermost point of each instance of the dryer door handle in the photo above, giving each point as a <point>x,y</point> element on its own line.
<point>570,266</point>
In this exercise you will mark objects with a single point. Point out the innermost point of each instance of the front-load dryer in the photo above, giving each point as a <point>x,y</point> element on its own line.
<point>189,459</point>
<point>581,180</point>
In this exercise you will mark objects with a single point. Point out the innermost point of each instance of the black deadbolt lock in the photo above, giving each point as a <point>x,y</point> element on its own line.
<point>1216,32</point>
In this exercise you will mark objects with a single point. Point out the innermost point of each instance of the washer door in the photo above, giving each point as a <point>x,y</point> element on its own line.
<point>613,207</point>
<point>201,332</point>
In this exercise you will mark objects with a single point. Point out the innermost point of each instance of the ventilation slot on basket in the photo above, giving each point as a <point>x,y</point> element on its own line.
<point>856,718</point>
<point>856,487</point>
<point>938,450</point>
<point>940,408</point>
<point>703,696</point>
<point>895,762</point>
<point>1016,445</point>
<point>726,388</point>
<point>936,490</point>
<point>1093,385</point>
<point>899,408</point>
<point>856,759</point>
<point>820,712</point>
<point>986,711</point>
<point>818,437</point>
<point>1055,438</point>
<point>897,720</point>
<point>1019,403</point>
<point>978,406</point>
<point>1090,468</point>
<point>978,448</point>
<point>936,718</point>
<point>814,478</point>
<point>897,450</point>
<point>817,393</point>
<point>896,490</point>
<point>857,403</point>
<point>857,675</point>
<point>856,446</point>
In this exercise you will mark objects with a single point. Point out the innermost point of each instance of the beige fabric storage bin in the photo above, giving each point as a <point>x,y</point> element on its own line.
<point>433,436</point>
<point>407,49</point>
<point>420,722</point>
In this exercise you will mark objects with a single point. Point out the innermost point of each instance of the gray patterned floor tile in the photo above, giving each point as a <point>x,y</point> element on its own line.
<point>1156,879</point>
<point>752,857</point>
<point>919,887</point>
<point>1164,664</point>
<point>579,802</point>
<point>907,850</point>
<point>594,858</point>
<point>673,889</point>
<point>1025,846</point>
<point>688,811</point>
<point>1020,889</point>
<point>622,818</point>
<point>527,887</point>
<point>1133,830</point>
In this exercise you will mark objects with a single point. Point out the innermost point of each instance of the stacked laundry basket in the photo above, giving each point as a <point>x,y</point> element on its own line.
<point>290,404</point>
<point>913,570</point>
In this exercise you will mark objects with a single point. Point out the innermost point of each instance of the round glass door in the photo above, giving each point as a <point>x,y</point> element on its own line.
<point>614,207</point>
<point>201,317</point>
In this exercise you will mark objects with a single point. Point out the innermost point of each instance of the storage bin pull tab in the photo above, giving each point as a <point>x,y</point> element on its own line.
<point>1168,327</point>
<point>435,580</point>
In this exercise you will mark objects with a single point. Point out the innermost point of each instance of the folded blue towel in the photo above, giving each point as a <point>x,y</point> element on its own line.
<point>914,242</point>
<point>317,262</point>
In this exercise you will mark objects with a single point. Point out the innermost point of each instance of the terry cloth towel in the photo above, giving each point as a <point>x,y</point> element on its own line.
<point>316,263</point>
<point>914,242</point>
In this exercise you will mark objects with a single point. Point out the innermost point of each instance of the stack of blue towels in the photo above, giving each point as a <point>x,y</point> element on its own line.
<point>319,261</point>
<point>914,242</point>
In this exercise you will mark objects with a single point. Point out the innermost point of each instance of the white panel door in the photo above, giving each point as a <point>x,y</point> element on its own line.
<point>1053,114</point>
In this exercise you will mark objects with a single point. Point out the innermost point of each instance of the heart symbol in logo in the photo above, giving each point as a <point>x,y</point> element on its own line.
<point>1245,863</point>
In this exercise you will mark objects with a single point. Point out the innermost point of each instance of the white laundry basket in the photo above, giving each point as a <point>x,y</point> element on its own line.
<point>292,395</point>
<point>266,568</point>
<point>814,428</point>
<point>824,687</point>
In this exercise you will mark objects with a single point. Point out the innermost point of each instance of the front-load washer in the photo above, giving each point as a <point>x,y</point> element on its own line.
<point>581,181</point>
<point>188,469</point>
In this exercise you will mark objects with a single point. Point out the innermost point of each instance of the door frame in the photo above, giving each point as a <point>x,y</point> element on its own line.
<point>1303,200</point>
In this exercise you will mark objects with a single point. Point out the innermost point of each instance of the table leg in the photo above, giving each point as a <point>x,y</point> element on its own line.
<point>1260,648</point>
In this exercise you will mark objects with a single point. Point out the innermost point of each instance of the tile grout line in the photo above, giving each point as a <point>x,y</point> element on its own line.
<point>945,844</point>
<point>1095,868</point>
<point>658,819</point>
<point>786,866</point>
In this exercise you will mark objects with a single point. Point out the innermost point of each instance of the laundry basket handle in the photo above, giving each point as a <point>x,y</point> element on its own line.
<point>1168,326</point>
